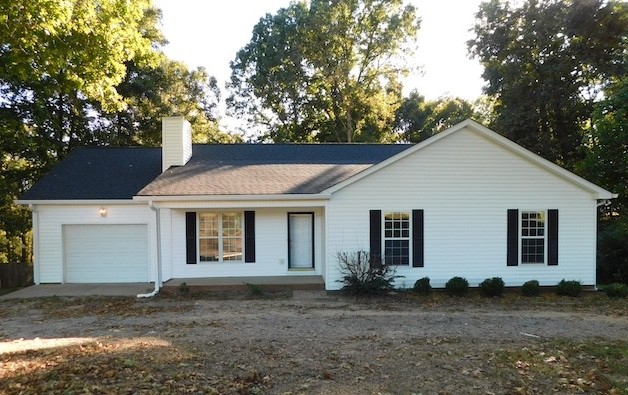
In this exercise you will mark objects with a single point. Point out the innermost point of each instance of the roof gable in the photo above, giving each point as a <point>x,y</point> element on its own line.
<point>509,145</point>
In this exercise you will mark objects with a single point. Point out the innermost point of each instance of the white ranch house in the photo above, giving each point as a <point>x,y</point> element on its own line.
<point>466,202</point>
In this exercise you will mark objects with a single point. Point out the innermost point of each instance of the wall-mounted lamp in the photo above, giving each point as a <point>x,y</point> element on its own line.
<point>103,212</point>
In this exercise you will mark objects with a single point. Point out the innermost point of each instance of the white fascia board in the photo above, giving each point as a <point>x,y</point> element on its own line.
<point>598,192</point>
<point>95,202</point>
<point>235,198</point>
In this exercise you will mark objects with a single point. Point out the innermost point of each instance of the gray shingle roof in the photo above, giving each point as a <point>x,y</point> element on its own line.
<point>98,173</point>
<point>215,169</point>
<point>251,169</point>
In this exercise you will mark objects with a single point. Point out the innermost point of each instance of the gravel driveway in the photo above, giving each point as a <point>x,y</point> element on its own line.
<point>312,343</point>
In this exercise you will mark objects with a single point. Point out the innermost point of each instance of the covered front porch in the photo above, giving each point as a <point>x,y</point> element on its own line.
<point>240,284</point>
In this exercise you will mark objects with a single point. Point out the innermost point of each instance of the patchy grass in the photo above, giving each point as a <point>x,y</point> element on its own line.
<point>594,302</point>
<point>58,307</point>
<point>573,367</point>
<point>123,366</point>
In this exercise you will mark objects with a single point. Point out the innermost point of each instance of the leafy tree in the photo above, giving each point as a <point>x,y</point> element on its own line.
<point>89,73</point>
<point>417,119</point>
<point>606,160</point>
<point>324,72</point>
<point>545,63</point>
<point>168,89</point>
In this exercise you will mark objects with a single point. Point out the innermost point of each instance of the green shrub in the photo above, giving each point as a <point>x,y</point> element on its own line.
<point>531,288</point>
<point>616,290</point>
<point>492,286</point>
<point>184,289</point>
<point>569,288</point>
<point>362,275</point>
<point>457,286</point>
<point>422,286</point>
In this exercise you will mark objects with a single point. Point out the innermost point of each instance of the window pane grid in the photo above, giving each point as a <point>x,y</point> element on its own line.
<point>532,237</point>
<point>397,238</point>
<point>220,237</point>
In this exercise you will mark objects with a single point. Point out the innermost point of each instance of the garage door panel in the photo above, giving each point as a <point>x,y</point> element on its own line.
<point>106,253</point>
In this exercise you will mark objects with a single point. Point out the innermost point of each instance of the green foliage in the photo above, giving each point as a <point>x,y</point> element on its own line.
<point>153,92</point>
<point>612,250</point>
<point>422,286</point>
<point>361,275</point>
<point>183,289</point>
<point>545,63</point>
<point>492,286</point>
<point>324,71</point>
<point>84,73</point>
<point>606,160</point>
<point>616,290</point>
<point>531,288</point>
<point>569,288</point>
<point>457,286</point>
<point>417,119</point>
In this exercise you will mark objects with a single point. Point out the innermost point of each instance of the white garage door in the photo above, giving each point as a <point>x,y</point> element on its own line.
<point>106,253</point>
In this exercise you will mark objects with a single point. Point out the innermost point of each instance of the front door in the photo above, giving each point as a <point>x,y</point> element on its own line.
<point>301,240</point>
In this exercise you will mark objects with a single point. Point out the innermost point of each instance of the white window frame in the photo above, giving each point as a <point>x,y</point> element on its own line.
<point>522,237</point>
<point>220,237</point>
<point>408,238</point>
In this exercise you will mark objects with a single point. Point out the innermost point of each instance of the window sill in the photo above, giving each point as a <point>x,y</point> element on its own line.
<point>301,269</point>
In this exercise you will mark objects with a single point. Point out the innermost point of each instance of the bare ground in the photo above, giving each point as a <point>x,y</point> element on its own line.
<point>317,344</point>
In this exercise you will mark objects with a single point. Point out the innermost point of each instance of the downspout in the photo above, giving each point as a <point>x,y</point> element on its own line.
<point>36,275</point>
<point>158,234</point>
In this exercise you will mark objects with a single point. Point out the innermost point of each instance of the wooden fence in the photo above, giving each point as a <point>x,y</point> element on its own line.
<point>13,275</point>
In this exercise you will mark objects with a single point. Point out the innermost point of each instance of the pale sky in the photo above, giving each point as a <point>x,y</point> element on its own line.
<point>209,33</point>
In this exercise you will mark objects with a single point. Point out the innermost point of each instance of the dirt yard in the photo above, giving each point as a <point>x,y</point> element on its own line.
<point>310,343</point>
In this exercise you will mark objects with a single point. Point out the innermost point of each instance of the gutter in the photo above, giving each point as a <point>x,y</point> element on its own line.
<point>158,279</point>
<point>604,202</point>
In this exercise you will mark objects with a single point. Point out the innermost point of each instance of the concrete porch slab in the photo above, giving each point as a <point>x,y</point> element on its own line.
<point>48,290</point>
<point>268,283</point>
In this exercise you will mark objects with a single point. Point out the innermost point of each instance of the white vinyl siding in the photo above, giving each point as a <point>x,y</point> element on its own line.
<point>466,183</point>
<point>49,253</point>
<point>271,245</point>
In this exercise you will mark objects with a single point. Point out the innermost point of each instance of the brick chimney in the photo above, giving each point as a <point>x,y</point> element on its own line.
<point>176,142</point>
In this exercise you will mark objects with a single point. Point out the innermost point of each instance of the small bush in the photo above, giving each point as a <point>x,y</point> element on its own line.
<point>531,288</point>
<point>183,290</point>
<point>492,286</point>
<point>362,275</point>
<point>616,290</point>
<point>569,288</point>
<point>422,286</point>
<point>457,286</point>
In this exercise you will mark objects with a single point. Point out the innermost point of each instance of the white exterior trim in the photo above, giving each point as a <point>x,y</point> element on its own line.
<point>80,202</point>
<point>598,192</point>
<point>232,198</point>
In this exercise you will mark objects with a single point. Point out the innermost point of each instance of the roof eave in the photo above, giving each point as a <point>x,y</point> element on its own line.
<point>254,197</point>
<point>27,202</point>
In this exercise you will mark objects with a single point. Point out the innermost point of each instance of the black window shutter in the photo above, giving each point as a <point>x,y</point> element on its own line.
<point>249,236</point>
<point>512,247</point>
<point>376,237</point>
<point>417,238</point>
<point>552,237</point>
<point>190,237</point>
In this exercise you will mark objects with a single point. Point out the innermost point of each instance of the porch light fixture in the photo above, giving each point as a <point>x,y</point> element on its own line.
<point>103,212</point>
